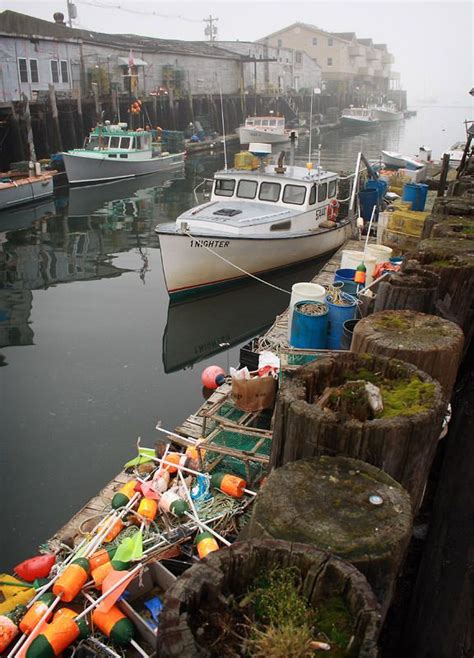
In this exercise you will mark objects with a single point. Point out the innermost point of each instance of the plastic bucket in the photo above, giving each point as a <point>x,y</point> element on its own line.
<point>351,259</point>
<point>346,276</point>
<point>309,332</point>
<point>381,253</point>
<point>337,315</point>
<point>302,291</point>
<point>347,331</point>
<point>420,198</point>
<point>367,200</point>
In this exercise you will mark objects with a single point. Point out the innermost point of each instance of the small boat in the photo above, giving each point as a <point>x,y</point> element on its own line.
<point>255,221</point>
<point>394,159</point>
<point>387,112</point>
<point>17,187</point>
<point>111,152</point>
<point>358,117</point>
<point>455,153</point>
<point>264,130</point>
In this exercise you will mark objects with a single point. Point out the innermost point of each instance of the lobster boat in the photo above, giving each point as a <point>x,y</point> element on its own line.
<point>255,221</point>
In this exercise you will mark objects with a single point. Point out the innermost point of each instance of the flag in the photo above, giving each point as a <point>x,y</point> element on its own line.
<point>144,455</point>
<point>130,549</point>
<point>109,581</point>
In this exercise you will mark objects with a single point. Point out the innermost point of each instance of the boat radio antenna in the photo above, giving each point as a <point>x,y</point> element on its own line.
<point>310,125</point>
<point>223,126</point>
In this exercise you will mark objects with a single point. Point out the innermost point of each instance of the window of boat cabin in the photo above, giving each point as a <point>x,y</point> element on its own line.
<point>272,122</point>
<point>281,122</point>
<point>322,192</point>
<point>269,191</point>
<point>125,143</point>
<point>224,187</point>
<point>258,122</point>
<point>92,142</point>
<point>264,122</point>
<point>114,142</point>
<point>332,189</point>
<point>294,194</point>
<point>247,189</point>
<point>250,122</point>
<point>312,195</point>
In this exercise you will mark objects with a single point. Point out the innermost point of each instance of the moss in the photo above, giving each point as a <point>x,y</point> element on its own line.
<point>392,322</point>
<point>402,398</point>
<point>335,621</point>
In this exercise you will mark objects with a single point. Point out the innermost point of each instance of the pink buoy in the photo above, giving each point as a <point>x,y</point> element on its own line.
<point>213,376</point>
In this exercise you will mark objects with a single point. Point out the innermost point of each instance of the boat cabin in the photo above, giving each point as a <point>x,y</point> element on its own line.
<point>267,123</point>
<point>117,138</point>
<point>300,190</point>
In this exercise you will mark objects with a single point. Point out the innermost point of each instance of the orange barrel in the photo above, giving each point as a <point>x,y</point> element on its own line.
<point>205,544</point>
<point>37,610</point>
<point>229,484</point>
<point>101,572</point>
<point>148,509</point>
<point>170,502</point>
<point>71,581</point>
<point>114,625</point>
<point>123,495</point>
<point>101,557</point>
<point>57,635</point>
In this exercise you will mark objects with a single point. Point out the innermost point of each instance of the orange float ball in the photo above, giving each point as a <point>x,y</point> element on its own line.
<point>213,376</point>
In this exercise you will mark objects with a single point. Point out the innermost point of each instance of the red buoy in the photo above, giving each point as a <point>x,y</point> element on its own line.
<point>35,567</point>
<point>213,376</point>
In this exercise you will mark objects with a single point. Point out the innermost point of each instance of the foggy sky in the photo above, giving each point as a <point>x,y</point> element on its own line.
<point>431,41</point>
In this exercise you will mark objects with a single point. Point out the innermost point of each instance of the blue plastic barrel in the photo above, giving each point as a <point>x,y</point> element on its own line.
<point>409,192</point>
<point>379,185</point>
<point>309,332</point>
<point>337,315</point>
<point>367,200</point>
<point>420,197</point>
<point>346,276</point>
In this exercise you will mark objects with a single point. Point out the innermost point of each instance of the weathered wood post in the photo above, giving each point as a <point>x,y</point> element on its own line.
<point>233,570</point>
<point>58,144</point>
<point>341,505</point>
<point>320,411</point>
<point>29,130</point>
<point>444,174</point>
<point>453,260</point>
<point>432,344</point>
<point>413,289</point>
<point>80,117</point>
<point>19,150</point>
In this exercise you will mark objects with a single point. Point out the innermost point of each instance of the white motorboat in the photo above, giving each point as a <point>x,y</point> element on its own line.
<point>395,159</point>
<point>255,222</point>
<point>358,117</point>
<point>24,187</point>
<point>112,152</point>
<point>455,154</point>
<point>387,112</point>
<point>264,130</point>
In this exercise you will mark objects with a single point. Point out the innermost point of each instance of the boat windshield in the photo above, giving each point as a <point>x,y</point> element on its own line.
<point>224,187</point>
<point>92,143</point>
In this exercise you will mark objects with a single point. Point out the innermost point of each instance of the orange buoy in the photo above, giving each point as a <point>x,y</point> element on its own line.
<point>205,544</point>
<point>71,581</point>
<point>123,495</point>
<point>101,557</point>
<point>34,614</point>
<point>57,635</point>
<point>213,376</point>
<point>114,531</point>
<point>115,625</point>
<point>229,484</point>
<point>148,509</point>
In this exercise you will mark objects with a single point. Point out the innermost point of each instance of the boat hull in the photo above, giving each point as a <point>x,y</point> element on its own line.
<point>25,191</point>
<point>83,169</point>
<point>190,264</point>
<point>247,136</point>
<point>353,122</point>
<point>385,115</point>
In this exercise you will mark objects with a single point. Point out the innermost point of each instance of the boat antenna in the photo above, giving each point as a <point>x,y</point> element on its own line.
<point>310,125</point>
<point>223,126</point>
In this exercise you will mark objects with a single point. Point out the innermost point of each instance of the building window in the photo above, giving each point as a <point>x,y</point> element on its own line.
<point>329,41</point>
<point>34,70</point>
<point>23,70</point>
<point>315,41</point>
<point>64,71</point>
<point>298,57</point>
<point>279,43</point>
<point>54,71</point>
<point>329,61</point>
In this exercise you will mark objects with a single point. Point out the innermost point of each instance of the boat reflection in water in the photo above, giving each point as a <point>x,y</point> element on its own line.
<point>200,327</point>
<point>15,219</point>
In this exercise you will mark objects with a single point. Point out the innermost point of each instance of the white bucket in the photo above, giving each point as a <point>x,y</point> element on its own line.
<point>301,291</point>
<point>351,259</point>
<point>381,252</point>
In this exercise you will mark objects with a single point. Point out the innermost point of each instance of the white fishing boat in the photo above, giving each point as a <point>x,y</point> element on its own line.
<point>255,222</point>
<point>264,130</point>
<point>395,159</point>
<point>111,152</point>
<point>387,112</point>
<point>24,187</point>
<point>455,153</point>
<point>358,117</point>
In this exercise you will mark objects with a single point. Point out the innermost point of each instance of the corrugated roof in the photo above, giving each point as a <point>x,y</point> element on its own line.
<point>14,23</point>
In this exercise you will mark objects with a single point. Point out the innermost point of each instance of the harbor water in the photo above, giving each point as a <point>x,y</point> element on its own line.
<point>93,354</point>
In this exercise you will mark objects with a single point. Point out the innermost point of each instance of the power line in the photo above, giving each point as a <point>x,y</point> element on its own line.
<point>210,31</point>
<point>102,5</point>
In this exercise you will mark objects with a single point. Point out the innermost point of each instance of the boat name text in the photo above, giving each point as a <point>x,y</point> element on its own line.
<point>210,243</point>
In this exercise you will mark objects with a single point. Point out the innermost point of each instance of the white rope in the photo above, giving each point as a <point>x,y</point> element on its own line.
<point>235,266</point>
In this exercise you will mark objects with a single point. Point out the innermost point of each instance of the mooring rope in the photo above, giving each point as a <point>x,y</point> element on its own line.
<point>236,266</point>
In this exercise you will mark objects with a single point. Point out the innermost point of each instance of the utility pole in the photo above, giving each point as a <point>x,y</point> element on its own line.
<point>211,30</point>
<point>71,12</point>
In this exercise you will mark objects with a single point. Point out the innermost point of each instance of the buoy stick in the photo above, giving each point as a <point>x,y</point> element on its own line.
<point>209,529</point>
<point>109,591</point>
<point>368,230</point>
<point>138,648</point>
<point>103,646</point>
<point>193,472</point>
<point>188,495</point>
<point>26,640</point>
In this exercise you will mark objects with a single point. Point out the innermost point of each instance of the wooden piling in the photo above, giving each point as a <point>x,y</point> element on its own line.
<point>29,130</point>
<point>432,344</point>
<point>18,150</point>
<point>402,443</point>
<point>413,289</point>
<point>58,144</point>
